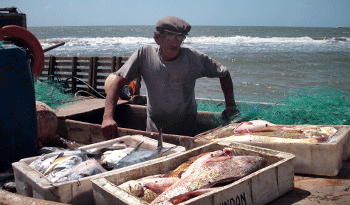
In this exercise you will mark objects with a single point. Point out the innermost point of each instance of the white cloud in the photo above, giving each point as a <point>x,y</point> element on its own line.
<point>47,7</point>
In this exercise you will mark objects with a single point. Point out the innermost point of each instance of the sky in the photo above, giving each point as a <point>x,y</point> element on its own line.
<point>296,13</point>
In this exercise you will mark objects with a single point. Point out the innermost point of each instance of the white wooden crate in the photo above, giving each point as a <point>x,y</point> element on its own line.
<point>260,187</point>
<point>32,183</point>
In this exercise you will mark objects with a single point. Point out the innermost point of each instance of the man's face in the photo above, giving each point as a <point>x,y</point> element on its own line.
<point>170,44</point>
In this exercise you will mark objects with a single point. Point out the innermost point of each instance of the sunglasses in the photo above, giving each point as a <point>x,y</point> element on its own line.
<point>172,37</point>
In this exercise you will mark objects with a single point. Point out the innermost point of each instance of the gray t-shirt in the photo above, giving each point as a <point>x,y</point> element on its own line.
<point>170,86</point>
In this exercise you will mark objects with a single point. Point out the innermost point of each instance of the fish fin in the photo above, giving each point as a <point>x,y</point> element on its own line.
<point>59,156</point>
<point>219,159</point>
<point>183,197</point>
<point>160,143</point>
<point>157,188</point>
<point>180,173</point>
<point>164,150</point>
<point>137,147</point>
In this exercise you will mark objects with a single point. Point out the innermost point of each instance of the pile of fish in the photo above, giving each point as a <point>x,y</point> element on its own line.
<point>66,166</point>
<point>246,132</point>
<point>199,175</point>
<point>59,165</point>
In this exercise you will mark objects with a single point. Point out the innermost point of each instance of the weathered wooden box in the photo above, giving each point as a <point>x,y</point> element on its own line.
<point>81,122</point>
<point>323,159</point>
<point>260,187</point>
<point>32,183</point>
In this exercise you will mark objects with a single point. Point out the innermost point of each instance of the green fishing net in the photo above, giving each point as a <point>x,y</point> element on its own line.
<point>315,106</point>
<point>53,93</point>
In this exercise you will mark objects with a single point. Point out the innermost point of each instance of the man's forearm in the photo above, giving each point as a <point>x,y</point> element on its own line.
<point>227,89</point>
<point>113,96</point>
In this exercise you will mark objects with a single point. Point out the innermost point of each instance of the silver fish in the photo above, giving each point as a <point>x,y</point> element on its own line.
<point>44,162</point>
<point>110,159</point>
<point>138,156</point>
<point>61,166</point>
<point>87,168</point>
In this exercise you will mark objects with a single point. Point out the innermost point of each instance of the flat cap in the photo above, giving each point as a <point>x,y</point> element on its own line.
<point>173,24</point>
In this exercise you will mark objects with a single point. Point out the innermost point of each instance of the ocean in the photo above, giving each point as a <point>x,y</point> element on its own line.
<point>266,63</point>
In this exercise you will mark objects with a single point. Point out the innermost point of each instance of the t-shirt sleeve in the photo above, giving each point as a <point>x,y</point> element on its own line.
<point>209,67</point>
<point>131,69</point>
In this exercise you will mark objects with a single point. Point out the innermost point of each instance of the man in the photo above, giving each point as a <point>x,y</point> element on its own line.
<point>169,72</point>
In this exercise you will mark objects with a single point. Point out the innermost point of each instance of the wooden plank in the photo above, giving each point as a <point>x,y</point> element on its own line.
<point>92,70</point>
<point>63,69</point>
<point>119,63</point>
<point>83,63</point>
<point>103,71</point>
<point>51,66</point>
<point>113,64</point>
<point>74,74</point>
<point>64,63</point>
<point>103,63</point>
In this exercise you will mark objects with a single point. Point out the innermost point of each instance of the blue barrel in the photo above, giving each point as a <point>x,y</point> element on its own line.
<point>18,123</point>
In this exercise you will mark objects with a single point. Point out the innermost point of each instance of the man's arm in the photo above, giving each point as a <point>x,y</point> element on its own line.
<point>227,89</point>
<point>109,125</point>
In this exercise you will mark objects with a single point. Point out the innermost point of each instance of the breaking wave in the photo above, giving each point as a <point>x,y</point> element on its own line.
<point>115,41</point>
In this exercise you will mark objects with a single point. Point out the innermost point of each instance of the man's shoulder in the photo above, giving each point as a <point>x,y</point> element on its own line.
<point>194,52</point>
<point>148,47</point>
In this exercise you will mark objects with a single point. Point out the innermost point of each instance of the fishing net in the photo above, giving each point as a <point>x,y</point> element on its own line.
<point>316,106</point>
<point>53,93</point>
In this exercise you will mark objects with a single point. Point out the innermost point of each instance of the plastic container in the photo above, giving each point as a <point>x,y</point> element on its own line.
<point>259,187</point>
<point>18,125</point>
<point>32,183</point>
<point>324,159</point>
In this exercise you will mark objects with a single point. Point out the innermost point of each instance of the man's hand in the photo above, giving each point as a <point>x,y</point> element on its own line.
<point>228,112</point>
<point>109,129</point>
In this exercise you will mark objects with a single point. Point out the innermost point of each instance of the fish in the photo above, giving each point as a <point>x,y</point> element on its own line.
<point>320,132</point>
<point>110,159</point>
<point>261,126</point>
<point>102,150</point>
<point>47,150</point>
<point>133,187</point>
<point>61,165</point>
<point>42,163</point>
<point>138,156</point>
<point>138,188</point>
<point>209,170</point>
<point>45,163</point>
<point>247,138</point>
<point>182,167</point>
<point>87,168</point>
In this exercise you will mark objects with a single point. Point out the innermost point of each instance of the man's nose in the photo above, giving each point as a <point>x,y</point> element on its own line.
<point>175,42</point>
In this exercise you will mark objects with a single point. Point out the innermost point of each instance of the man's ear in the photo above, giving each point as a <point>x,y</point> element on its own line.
<point>157,38</point>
